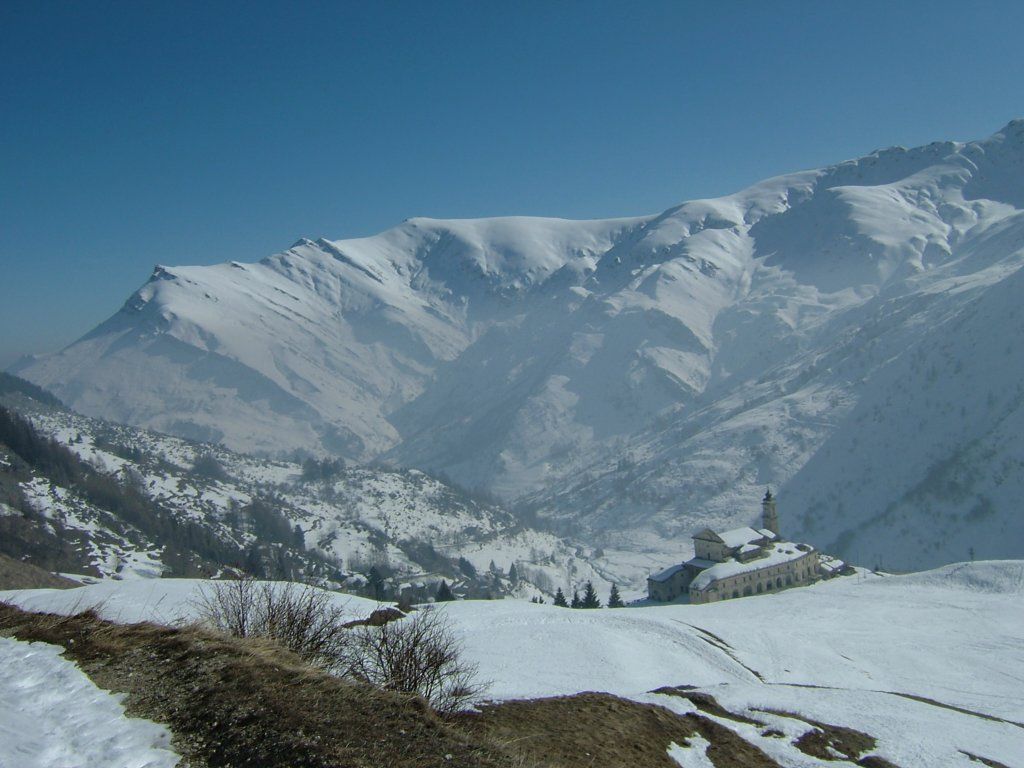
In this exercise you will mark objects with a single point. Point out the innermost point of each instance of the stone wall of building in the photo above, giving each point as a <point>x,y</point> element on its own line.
<point>671,588</point>
<point>774,578</point>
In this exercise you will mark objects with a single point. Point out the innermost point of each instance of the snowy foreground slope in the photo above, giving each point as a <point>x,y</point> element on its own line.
<point>927,663</point>
<point>845,333</point>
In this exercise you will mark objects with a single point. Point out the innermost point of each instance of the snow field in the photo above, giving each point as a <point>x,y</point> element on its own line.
<point>53,716</point>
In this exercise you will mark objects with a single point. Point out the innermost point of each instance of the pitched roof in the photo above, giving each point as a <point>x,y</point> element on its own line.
<point>737,537</point>
<point>708,535</point>
<point>666,574</point>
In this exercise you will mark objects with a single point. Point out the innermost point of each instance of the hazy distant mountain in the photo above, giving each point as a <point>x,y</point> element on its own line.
<point>850,334</point>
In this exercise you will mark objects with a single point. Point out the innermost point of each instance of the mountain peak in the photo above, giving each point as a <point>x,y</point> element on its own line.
<point>1013,128</point>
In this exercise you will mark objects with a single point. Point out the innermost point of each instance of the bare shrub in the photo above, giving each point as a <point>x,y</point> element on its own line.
<point>418,655</point>
<point>301,618</point>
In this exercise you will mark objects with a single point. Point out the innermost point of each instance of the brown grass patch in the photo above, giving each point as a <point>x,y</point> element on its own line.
<point>705,702</point>
<point>874,761</point>
<point>598,729</point>
<point>378,618</point>
<point>15,574</point>
<point>825,740</point>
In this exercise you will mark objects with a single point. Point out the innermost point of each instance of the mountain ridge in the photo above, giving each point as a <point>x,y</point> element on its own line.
<point>568,365</point>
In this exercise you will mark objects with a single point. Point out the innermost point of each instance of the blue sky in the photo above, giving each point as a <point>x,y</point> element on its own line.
<point>190,133</point>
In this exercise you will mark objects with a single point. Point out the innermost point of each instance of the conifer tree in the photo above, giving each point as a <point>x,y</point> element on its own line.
<point>576,603</point>
<point>590,598</point>
<point>444,593</point>
<point>614,598</point>
<point>513,574</point>
<point>375,583</point>
<point>560,599</point>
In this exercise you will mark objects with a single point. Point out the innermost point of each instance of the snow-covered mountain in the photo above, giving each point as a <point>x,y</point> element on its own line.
<point>849,334</point>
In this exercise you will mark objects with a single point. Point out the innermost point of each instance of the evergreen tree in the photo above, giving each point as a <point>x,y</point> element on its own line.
<point>590,598</point>
<point>444,593</point>
<point>560,599</point>
<point>513,574</point>
<point>254,563</point>
<point>614,599</point>
<point>375,583</point>
<point>576,603</point>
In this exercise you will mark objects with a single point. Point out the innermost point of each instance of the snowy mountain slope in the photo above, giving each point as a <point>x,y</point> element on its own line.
<point>412,527</point>
<point>313,347</point>
<point>889,656</point>
<point>635,378</point>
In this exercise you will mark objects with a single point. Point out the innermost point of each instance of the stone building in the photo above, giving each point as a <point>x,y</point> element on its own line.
<point>738,563</point>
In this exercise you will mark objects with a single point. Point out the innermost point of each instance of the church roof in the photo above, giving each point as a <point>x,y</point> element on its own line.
<point>667,574</point>
<point>699,563</point>
<point>737,537</point>
<point>708,535</point>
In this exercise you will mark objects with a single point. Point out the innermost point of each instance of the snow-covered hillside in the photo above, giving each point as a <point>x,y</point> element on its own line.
<point>412,527</point>
<point>925,663</point>
<point>845,334</point>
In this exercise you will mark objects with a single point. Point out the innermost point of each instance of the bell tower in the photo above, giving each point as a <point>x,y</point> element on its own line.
<point>769,516</point>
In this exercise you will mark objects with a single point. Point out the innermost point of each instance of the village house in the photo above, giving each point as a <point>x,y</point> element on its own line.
<point>738,563</point>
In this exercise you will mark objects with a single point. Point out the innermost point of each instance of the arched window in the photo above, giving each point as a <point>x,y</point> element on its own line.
<point>735,593</point>
<point>746,592</point>
<point>760,589</point>
<point>778,582</point>
<point>789,580</point>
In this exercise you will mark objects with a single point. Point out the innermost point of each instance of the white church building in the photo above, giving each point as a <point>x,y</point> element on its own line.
<point>738,563</point>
